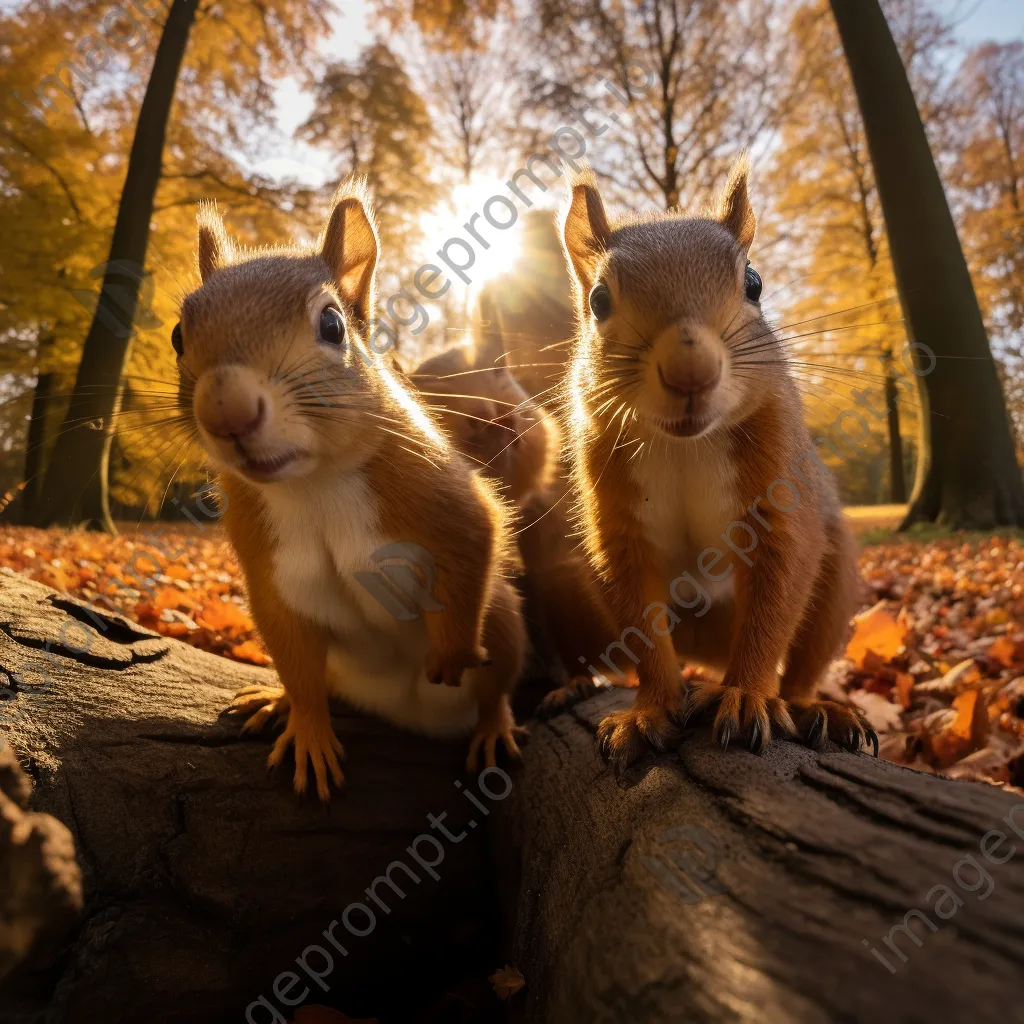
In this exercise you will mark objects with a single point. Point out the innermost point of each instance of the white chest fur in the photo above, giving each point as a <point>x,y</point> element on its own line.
<point>687,494</point>
<point>324,536</point>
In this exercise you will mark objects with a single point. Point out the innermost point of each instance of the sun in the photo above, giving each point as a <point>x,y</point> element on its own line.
<point>469,203</point>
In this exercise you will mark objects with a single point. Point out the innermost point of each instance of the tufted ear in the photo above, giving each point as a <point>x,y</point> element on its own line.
<point>349,247</point>
<point>585,230</point>
<point>214,244</point>
<point>734,210</point>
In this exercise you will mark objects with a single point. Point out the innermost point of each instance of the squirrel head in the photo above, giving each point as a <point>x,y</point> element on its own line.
<point>671,336</point>
<point>491,419</point>
<point>273,354</point>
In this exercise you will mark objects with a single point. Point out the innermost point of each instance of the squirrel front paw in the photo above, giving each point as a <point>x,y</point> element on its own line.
<point>843,725</point>
<point>314,740</point>
<point>623,737</point>
<point>748,716</point>
<point>447,666</point>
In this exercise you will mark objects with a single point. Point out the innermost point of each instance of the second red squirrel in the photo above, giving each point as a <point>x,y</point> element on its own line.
<point>683,418</point>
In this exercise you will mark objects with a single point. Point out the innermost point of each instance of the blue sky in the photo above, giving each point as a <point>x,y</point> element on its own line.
<point>987,19</point>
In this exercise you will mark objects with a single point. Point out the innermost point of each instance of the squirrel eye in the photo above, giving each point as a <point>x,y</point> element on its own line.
<point>332,326</point>
<point>753,284</point>
<point>601,302</point>
<point>177,341</point>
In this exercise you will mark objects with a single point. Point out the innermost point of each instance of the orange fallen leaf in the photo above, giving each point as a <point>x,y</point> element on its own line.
<point>904,686</point>
<point>1007,652</point>
<point>250,651</point>
<point>968,730</point>
<point>507,981</point>
<point>876,631</point>
<point>225,617</point>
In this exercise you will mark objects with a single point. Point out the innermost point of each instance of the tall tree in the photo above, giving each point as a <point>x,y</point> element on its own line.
<point>375,124</point>
<point>988,178</point>
<point>824,235</point>
<point>75,486</point>
<point>968,475</point>
<point>224,97</point>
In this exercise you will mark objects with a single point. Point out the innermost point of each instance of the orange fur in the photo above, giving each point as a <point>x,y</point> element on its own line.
<point>682,416</point>
<point>324,456</point>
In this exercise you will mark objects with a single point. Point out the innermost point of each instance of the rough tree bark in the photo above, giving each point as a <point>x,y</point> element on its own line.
<point>968,475</point>
<point>75,486</point>
<point>705,886</point>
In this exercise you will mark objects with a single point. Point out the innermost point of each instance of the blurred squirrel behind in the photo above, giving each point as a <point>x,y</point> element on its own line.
<point>521,331</point>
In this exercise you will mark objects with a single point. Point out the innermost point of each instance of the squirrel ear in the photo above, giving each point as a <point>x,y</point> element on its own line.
<point>214,245</point>
<point>585,230</point>
<point>349,248</point>
<point>734,210</point>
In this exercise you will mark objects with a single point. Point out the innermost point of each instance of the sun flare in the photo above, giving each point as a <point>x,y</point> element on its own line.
<point>470,204</point>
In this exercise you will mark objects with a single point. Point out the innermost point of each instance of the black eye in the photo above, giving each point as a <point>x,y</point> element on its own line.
<point>332,326</point>
<point>753,284</point>
<point>601,302</point>
<point>176,340</point>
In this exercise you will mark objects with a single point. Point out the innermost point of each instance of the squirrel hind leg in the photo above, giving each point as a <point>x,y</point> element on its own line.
<point>826,618</point>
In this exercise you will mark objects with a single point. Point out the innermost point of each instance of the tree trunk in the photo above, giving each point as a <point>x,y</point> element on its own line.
<point>75,486</point>
<point>20,510</point>
<point>705,887</point>
<point>897,479</point>
<point>968,474</point>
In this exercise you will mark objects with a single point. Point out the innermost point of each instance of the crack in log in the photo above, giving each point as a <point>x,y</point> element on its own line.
<point>929,810</point>
<point>849,800</point>
<point>191,739</point>
<point>119,629</point>
<point>83,657</point>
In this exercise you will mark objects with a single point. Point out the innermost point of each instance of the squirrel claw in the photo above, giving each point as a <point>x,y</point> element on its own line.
<point>497,723</point>
<point>753,718</point>
<point>489,742</point>
<point>843,725</point>
<point>625,736</point>
<point>563,698</point>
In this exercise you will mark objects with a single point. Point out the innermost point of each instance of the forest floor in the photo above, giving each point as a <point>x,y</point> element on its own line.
<point>935,659</point>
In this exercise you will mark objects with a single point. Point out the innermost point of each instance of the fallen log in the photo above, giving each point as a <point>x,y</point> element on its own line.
<point>794,886</point>
<point>702,886</point>
<point>206,879</point>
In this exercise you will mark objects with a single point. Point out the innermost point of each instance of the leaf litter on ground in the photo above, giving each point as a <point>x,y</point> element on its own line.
<point>935,658</point>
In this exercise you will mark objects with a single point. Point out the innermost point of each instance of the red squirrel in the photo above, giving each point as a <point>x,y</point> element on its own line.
<point>683,418</point>
<point>326,458</point>
<point>492,419</point>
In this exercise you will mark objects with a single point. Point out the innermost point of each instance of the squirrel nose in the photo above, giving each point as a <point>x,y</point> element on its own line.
<point>689,378</point>
<point>235,419</point>
<point>230,405</point>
